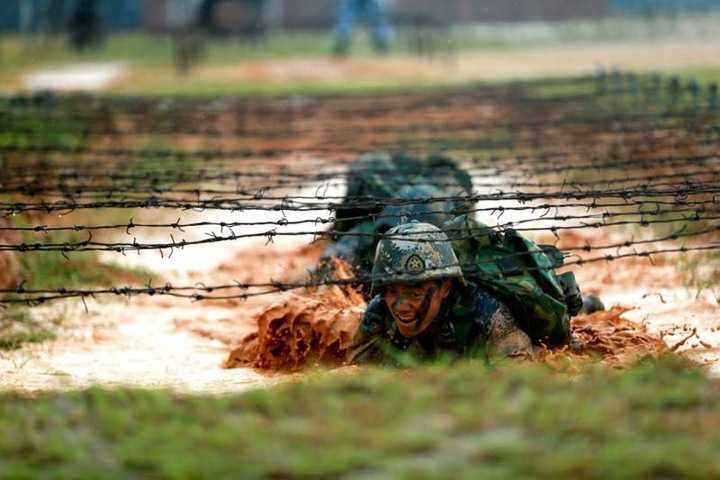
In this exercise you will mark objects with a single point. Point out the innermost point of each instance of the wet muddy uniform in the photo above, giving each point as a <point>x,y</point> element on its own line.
<point>472,324</point>
<point>380,189</point>
<point>377,177</point>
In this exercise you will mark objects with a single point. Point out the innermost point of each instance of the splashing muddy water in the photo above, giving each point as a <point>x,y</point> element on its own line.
<point>173,343</point>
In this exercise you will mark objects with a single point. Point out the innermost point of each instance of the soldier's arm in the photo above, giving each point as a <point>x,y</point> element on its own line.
<point>494,334</point>
<point>370,344</point>
<point>366,349</point>
<point>353,249</point>
<point>356,247</point>
<point>349,246</point>
<point>505,339</point>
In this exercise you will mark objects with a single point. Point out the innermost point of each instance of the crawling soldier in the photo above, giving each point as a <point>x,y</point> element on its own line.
<point>383,189</point>
<point>423,309</point>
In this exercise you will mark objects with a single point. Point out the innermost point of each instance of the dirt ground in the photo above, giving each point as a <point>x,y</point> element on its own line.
<point>665,56</point>
<point>182,345</point>
<point>492,65</point>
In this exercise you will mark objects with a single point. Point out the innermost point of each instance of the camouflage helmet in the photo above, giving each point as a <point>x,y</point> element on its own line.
<point>414,252</point>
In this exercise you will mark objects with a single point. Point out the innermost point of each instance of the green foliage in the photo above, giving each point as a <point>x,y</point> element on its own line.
<point>657,419</point>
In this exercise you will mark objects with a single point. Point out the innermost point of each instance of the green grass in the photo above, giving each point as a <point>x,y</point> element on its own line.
<point>655,420</point>
<point>209,87</point>
<point>52,269</point>
<point>617,93</point>
<point>40,270</point>
<point>156,53</point>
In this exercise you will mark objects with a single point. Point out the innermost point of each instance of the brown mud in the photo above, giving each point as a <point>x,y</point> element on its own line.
<point>174,343</point>
<point>313,329</point>
<point>301,330</point>
<point>308,328</point>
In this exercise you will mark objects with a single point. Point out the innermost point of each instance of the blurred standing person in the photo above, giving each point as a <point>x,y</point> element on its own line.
<point>86,28</point>
<point>350,12</point>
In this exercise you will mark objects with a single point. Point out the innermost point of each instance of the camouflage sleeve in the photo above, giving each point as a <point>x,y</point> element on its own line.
<point>505,339</point>
<point>370,344</point>
<point>354,246</point>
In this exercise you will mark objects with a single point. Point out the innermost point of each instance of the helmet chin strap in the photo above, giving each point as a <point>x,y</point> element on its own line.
<point>425,306</point>
<point>446,330</point>
<point>444,308</point>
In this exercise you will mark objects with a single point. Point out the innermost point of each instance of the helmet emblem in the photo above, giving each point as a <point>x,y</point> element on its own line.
<point>415,264</point>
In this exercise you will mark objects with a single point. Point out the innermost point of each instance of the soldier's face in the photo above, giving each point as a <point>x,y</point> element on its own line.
<point>414,306</point>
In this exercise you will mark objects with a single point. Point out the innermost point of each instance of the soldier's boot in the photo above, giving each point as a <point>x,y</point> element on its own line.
<point>591,304</point>
<point>568,338</point>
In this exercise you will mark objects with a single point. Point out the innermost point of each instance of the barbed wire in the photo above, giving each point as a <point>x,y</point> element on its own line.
<point>642,195</point>
<point>123,247</point>
<point>56,177</point>
<point>687,213</point>
<point>197,292</point>
<point>623,151</point>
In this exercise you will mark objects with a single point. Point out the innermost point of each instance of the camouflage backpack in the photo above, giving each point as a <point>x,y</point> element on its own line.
<point>522,275</point>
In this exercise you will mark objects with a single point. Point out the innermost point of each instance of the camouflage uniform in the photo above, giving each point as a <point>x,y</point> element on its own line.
<point>471,322</point>
<point>357,245</point>
<point>375,178</point>
<point>382,191</point>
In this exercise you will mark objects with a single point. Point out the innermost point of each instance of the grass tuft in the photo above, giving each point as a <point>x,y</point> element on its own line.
<point>654,419</point>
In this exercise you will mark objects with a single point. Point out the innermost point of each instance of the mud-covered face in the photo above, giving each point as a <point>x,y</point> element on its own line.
<point>414,306</point>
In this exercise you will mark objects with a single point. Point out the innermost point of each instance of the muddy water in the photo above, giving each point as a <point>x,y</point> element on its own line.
<point>649,311</point>
<point>186,346</point>
<point>165,342</point>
